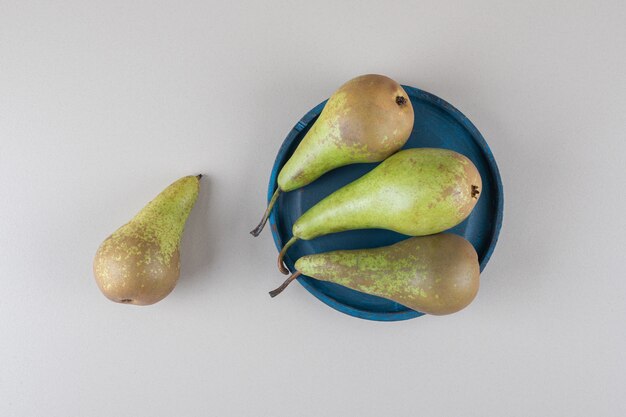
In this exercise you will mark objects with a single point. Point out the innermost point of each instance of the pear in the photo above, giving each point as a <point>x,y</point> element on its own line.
<point>415,192</point>
<point>436,274</point>
<point>140,262</point>
<point>367,119</point>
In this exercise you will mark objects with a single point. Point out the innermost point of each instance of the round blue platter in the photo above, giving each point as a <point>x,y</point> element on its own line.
<point>437,125</point>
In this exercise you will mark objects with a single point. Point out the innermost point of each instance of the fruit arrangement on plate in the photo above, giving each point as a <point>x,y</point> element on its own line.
<point>418,193</point>
<point>387,197</point>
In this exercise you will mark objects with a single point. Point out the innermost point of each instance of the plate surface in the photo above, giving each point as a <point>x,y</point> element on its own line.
<point>437,125</point>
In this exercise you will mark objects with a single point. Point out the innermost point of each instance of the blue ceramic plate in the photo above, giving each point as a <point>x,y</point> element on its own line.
<point>437,125</point>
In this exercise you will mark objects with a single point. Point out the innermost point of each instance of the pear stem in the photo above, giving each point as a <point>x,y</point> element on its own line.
<point>284,285</point>
<point>281,265</point>
<point>257,230</point>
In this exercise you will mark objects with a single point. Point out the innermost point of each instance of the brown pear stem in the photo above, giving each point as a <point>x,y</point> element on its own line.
<point>284,285</point>
<point>281,265</point>
<point>257,230</point>
<point>199,176</point>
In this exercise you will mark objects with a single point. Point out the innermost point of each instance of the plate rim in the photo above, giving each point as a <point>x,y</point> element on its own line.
<point>476,136</point>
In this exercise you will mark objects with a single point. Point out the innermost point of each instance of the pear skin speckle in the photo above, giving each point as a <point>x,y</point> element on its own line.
<point>437,274</point>
<point>140,262</point>
<point>416,192</point>
<point>361,122</point>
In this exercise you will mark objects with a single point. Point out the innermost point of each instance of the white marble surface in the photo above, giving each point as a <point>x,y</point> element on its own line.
<point>102,104</point>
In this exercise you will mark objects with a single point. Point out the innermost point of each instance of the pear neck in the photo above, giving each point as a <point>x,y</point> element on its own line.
<point>163,219</point>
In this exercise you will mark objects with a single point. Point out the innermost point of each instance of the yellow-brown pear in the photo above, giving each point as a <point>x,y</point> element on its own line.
<point>436,274</point>
<point>140,262</point>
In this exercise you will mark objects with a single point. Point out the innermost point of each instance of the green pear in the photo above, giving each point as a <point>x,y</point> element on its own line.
<point>436,274</point>
<point>140,262</point>
<point>367,119</point>
<point>416,192</point>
